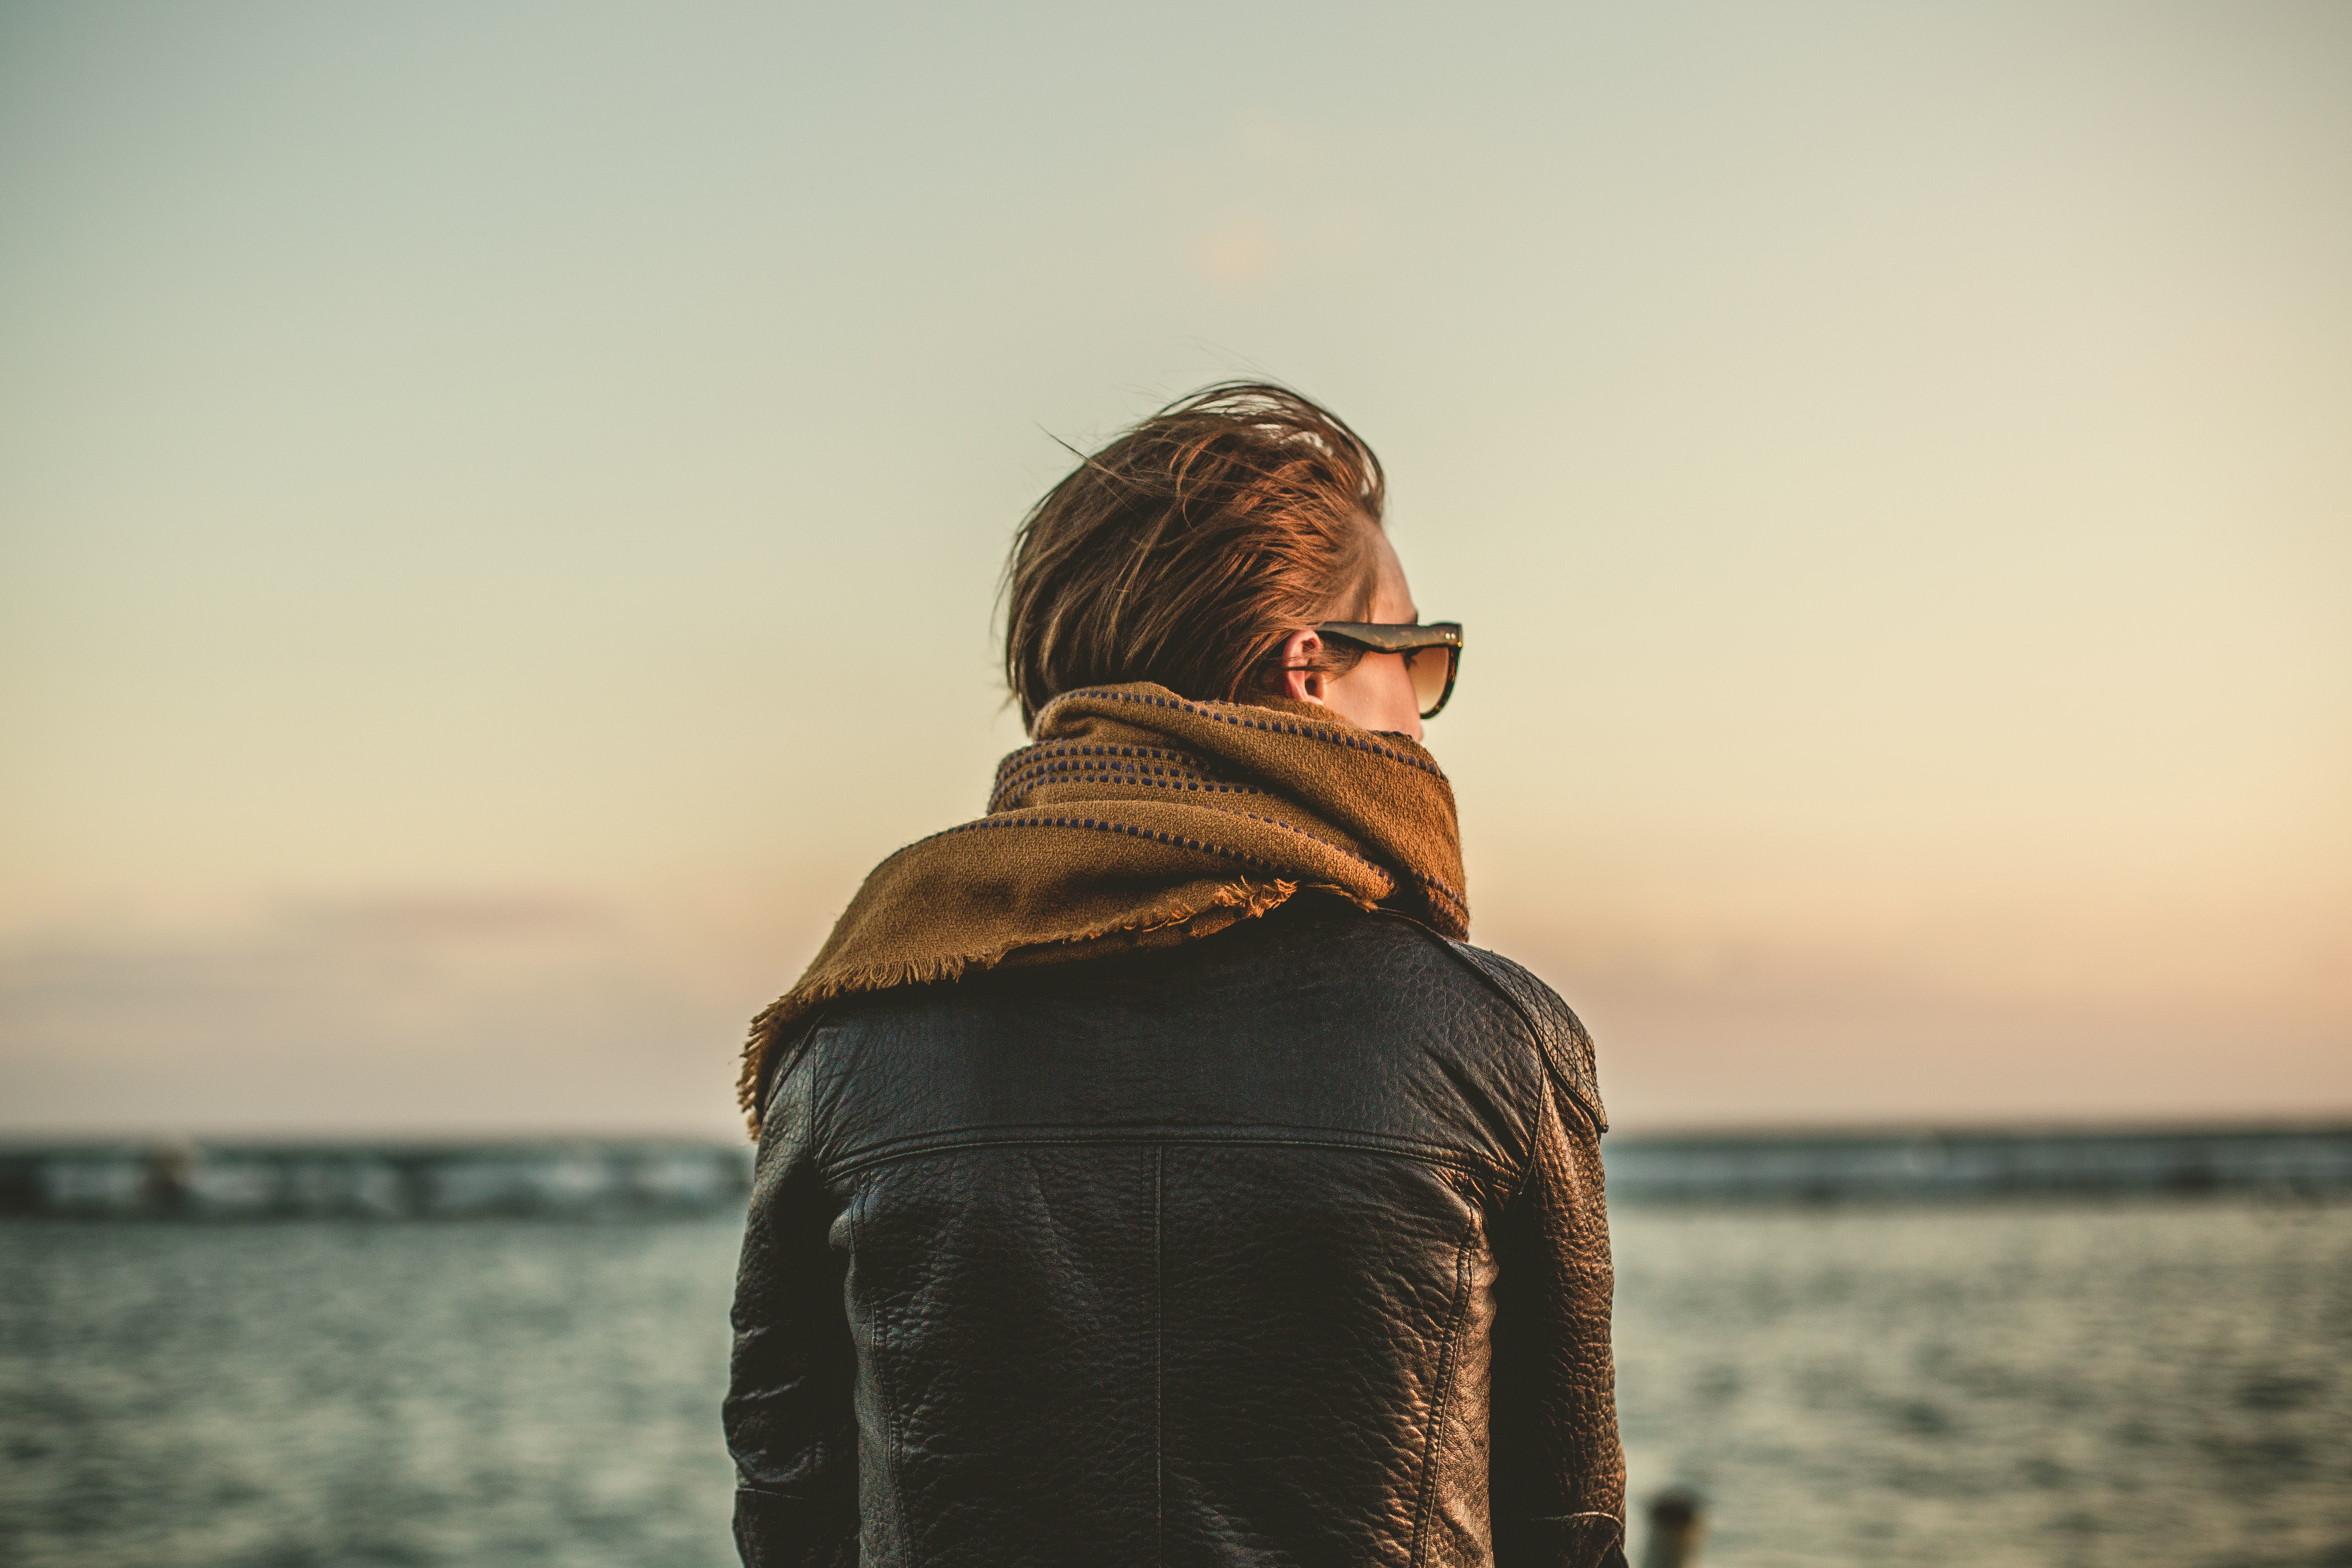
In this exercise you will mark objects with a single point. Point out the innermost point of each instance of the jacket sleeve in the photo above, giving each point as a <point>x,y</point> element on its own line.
<point>1556,1475</point>
<point>791,1424</point>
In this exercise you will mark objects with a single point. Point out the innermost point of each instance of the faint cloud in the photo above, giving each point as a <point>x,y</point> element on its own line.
<point>411,917</point>
<point>409,1009</point>
<point>1270,200</point>
<point>1246,252</point>
<point>1236,255</point>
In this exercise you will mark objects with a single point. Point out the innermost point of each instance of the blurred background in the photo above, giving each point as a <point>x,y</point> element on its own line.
<point>499,511</point>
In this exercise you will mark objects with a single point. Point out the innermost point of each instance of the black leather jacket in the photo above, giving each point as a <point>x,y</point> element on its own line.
<point>1284,1246</point>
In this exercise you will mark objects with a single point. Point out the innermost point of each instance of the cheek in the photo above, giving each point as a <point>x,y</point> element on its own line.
<point>1393,680</point>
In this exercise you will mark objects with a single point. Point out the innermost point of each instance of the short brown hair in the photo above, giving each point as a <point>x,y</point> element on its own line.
<point>1188,549</point>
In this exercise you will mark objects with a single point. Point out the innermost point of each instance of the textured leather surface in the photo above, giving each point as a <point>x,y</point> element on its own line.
<point>1285,1246</point>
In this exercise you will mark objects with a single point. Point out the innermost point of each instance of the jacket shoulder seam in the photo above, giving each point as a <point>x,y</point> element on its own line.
<point>1568,1062</point>
<point>783,1061</point>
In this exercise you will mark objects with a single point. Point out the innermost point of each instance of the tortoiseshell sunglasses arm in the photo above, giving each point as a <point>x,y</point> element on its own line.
<point>1386,636</point>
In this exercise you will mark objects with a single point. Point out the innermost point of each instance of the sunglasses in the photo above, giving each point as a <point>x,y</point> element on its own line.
<point>1433,654</point>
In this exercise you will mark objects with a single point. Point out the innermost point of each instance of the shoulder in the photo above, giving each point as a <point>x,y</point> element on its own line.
<point>1559,1034</point>
<point>1418,962</point>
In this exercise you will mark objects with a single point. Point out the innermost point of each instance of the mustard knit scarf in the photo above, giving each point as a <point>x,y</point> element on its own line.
<point>1140,818</point>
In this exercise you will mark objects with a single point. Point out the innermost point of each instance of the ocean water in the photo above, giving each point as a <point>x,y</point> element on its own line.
<point>2031,1383</point>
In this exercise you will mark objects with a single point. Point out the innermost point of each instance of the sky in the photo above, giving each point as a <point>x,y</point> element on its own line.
<point>501,507</point>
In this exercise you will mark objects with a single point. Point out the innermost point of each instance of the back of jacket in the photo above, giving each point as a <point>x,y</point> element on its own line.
<point>1284,1246</point>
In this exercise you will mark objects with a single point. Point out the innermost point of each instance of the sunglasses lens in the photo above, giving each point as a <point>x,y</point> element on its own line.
<point>1432,669</point>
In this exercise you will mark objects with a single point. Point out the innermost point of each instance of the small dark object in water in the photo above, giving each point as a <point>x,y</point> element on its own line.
<point>168,1167</point>
<point>1675,1528</point>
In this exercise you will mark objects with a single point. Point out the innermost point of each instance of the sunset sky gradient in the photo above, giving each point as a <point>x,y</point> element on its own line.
<point>500,509</point>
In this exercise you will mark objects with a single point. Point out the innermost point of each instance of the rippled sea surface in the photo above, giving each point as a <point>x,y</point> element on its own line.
<point>1998,1384</point>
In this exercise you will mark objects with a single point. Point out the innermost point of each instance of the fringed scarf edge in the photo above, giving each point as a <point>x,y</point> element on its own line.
<point>1237,900</point>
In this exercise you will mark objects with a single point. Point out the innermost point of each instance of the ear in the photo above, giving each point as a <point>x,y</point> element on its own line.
<point>1305,685</point>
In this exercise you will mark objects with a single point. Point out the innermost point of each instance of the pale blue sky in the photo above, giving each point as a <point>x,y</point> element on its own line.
<point>500,506</point>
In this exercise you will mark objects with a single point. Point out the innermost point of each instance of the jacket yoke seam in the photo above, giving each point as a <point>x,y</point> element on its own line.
<point>918,1145</point>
